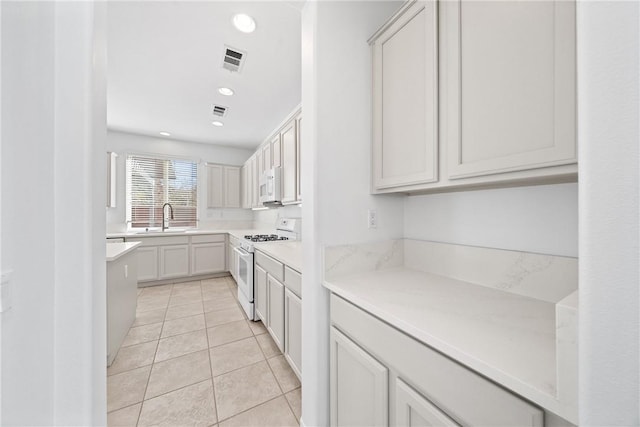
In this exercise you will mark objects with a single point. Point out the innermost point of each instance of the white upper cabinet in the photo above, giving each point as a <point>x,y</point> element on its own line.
<point>223,186</point>
<point>288,138</point>
<point>231,187</point>
<point>510,85</point>
<point>276,151</point>
<point>405,98</point>
<point>474,94</point>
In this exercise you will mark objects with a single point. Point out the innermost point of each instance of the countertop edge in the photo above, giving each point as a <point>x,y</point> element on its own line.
<point>128,247</point>
<point>265,249</point>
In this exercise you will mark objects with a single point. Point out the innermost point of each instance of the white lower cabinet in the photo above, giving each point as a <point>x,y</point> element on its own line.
<point>413,409</point>
<point>171,257</point>
<point>359,385</point>
<point>279,305</point>
<point>381,376</point>
<point>207,258</point>
<point>260,281</point>
<point>147,263</point>
<point>293,331</point>
<point>275,313</point>
<point>174,261</point>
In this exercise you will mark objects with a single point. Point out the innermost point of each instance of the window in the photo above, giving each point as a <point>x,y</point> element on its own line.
<point>153,182</point>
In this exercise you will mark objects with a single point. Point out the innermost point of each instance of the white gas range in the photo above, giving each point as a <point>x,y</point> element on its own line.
<point>286,229</point>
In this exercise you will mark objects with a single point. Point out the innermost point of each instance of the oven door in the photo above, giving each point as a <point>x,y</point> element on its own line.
<point>244,277</point>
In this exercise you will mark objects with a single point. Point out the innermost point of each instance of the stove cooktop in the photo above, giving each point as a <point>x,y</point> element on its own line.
<point>264,237</point>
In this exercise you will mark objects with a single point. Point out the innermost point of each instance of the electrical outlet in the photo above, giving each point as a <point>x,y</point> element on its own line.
<point>372,219</point>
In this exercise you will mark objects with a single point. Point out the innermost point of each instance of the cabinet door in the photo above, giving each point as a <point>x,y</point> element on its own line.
<point>255,181</point>
<point>289,163</point>
<point>275,324</point>
<point>298,170</point>
<point>293,331</point>
<point>405,99</point>
<point>359,385</point>
<point>174,261</point>
<point>231,261</point>
<point>261,305</point>
<point>267,161</point>
<point>207,258</point>
<point>231,187</point>
<point>276,155</point>
<point>504,114</point>
<point>215,195</point>
<point>414,410</point>
<point>147,263</point>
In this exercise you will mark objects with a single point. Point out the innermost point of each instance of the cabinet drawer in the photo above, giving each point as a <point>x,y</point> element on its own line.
<point>458,392</point>
<point>273,267</point>
<point>160,241</point>
<point>208,238</point>
<point>293,281</point>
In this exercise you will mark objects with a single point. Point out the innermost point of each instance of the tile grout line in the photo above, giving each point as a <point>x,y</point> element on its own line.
<point>153,363</point>
<point>213,385</point>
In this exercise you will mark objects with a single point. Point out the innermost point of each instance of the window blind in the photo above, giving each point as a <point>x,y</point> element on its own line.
<point>153,182</point>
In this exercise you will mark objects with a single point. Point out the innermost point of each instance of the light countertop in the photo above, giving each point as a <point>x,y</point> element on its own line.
<point>240,233</point>
<point>287,252</point>
<point>506,337</point>
<point>116,250</point>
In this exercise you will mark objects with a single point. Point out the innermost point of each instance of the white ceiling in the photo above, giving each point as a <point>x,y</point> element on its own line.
<point>165,65</point>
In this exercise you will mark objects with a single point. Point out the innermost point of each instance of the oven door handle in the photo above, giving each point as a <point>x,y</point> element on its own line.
<point>241,252</point>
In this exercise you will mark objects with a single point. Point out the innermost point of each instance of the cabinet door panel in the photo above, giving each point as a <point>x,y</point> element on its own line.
<point>289,163</point>
<point>261,294</point>
<point>267,161</point>
<point>405,99</point>
<point>413,410</point>
<point>207,258</point>
<point>359,385</point>
<point>231,187</point>
<point>275,325</point>
<point>147,263</point>
<point>512,82</point>
<point>293,331</point>
<point>276,152</point>
<point>214,186</point>
<point>174,261</point>
<point>298,158</point>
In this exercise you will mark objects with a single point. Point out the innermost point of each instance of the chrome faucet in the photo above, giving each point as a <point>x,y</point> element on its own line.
<point>164,227</point>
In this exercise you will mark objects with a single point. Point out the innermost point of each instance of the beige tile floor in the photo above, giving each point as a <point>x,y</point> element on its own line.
<point>192,358</point>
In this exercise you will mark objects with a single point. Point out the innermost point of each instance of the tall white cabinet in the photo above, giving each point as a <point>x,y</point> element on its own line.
<point>511,85</point>
<point>474,94</point>
<point>405,98</point>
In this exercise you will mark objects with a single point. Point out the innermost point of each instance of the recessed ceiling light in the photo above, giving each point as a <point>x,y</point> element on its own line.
<point>244,23</point>
<point>165,134</point>
<point>217,123</point>
<point>225,91</point>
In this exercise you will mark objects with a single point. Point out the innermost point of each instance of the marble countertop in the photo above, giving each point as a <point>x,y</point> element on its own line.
<point>240,233</point>
<point>287,252</point>
<point>509,338</point>
<point>116,250</point>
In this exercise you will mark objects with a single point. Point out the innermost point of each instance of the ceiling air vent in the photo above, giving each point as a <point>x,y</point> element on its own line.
<point>219,110</point>
<point>233,59</point>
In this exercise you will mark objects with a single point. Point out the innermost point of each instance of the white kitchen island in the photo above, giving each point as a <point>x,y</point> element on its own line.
<point>122,286</point>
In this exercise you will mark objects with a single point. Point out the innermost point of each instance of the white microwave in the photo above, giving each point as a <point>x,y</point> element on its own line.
<point>270,187</point>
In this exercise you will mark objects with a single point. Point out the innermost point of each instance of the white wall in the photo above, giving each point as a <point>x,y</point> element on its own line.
<point>127,143</point>
<point>53,338</point>
<point>609,117</point>
<point>336,101</point>
<point>265,219</point>
<point>542,219</point>
<point>28,243</point>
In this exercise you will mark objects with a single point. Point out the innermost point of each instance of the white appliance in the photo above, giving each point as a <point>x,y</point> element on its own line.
<point>270,185</point>
<point>286,229</point>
